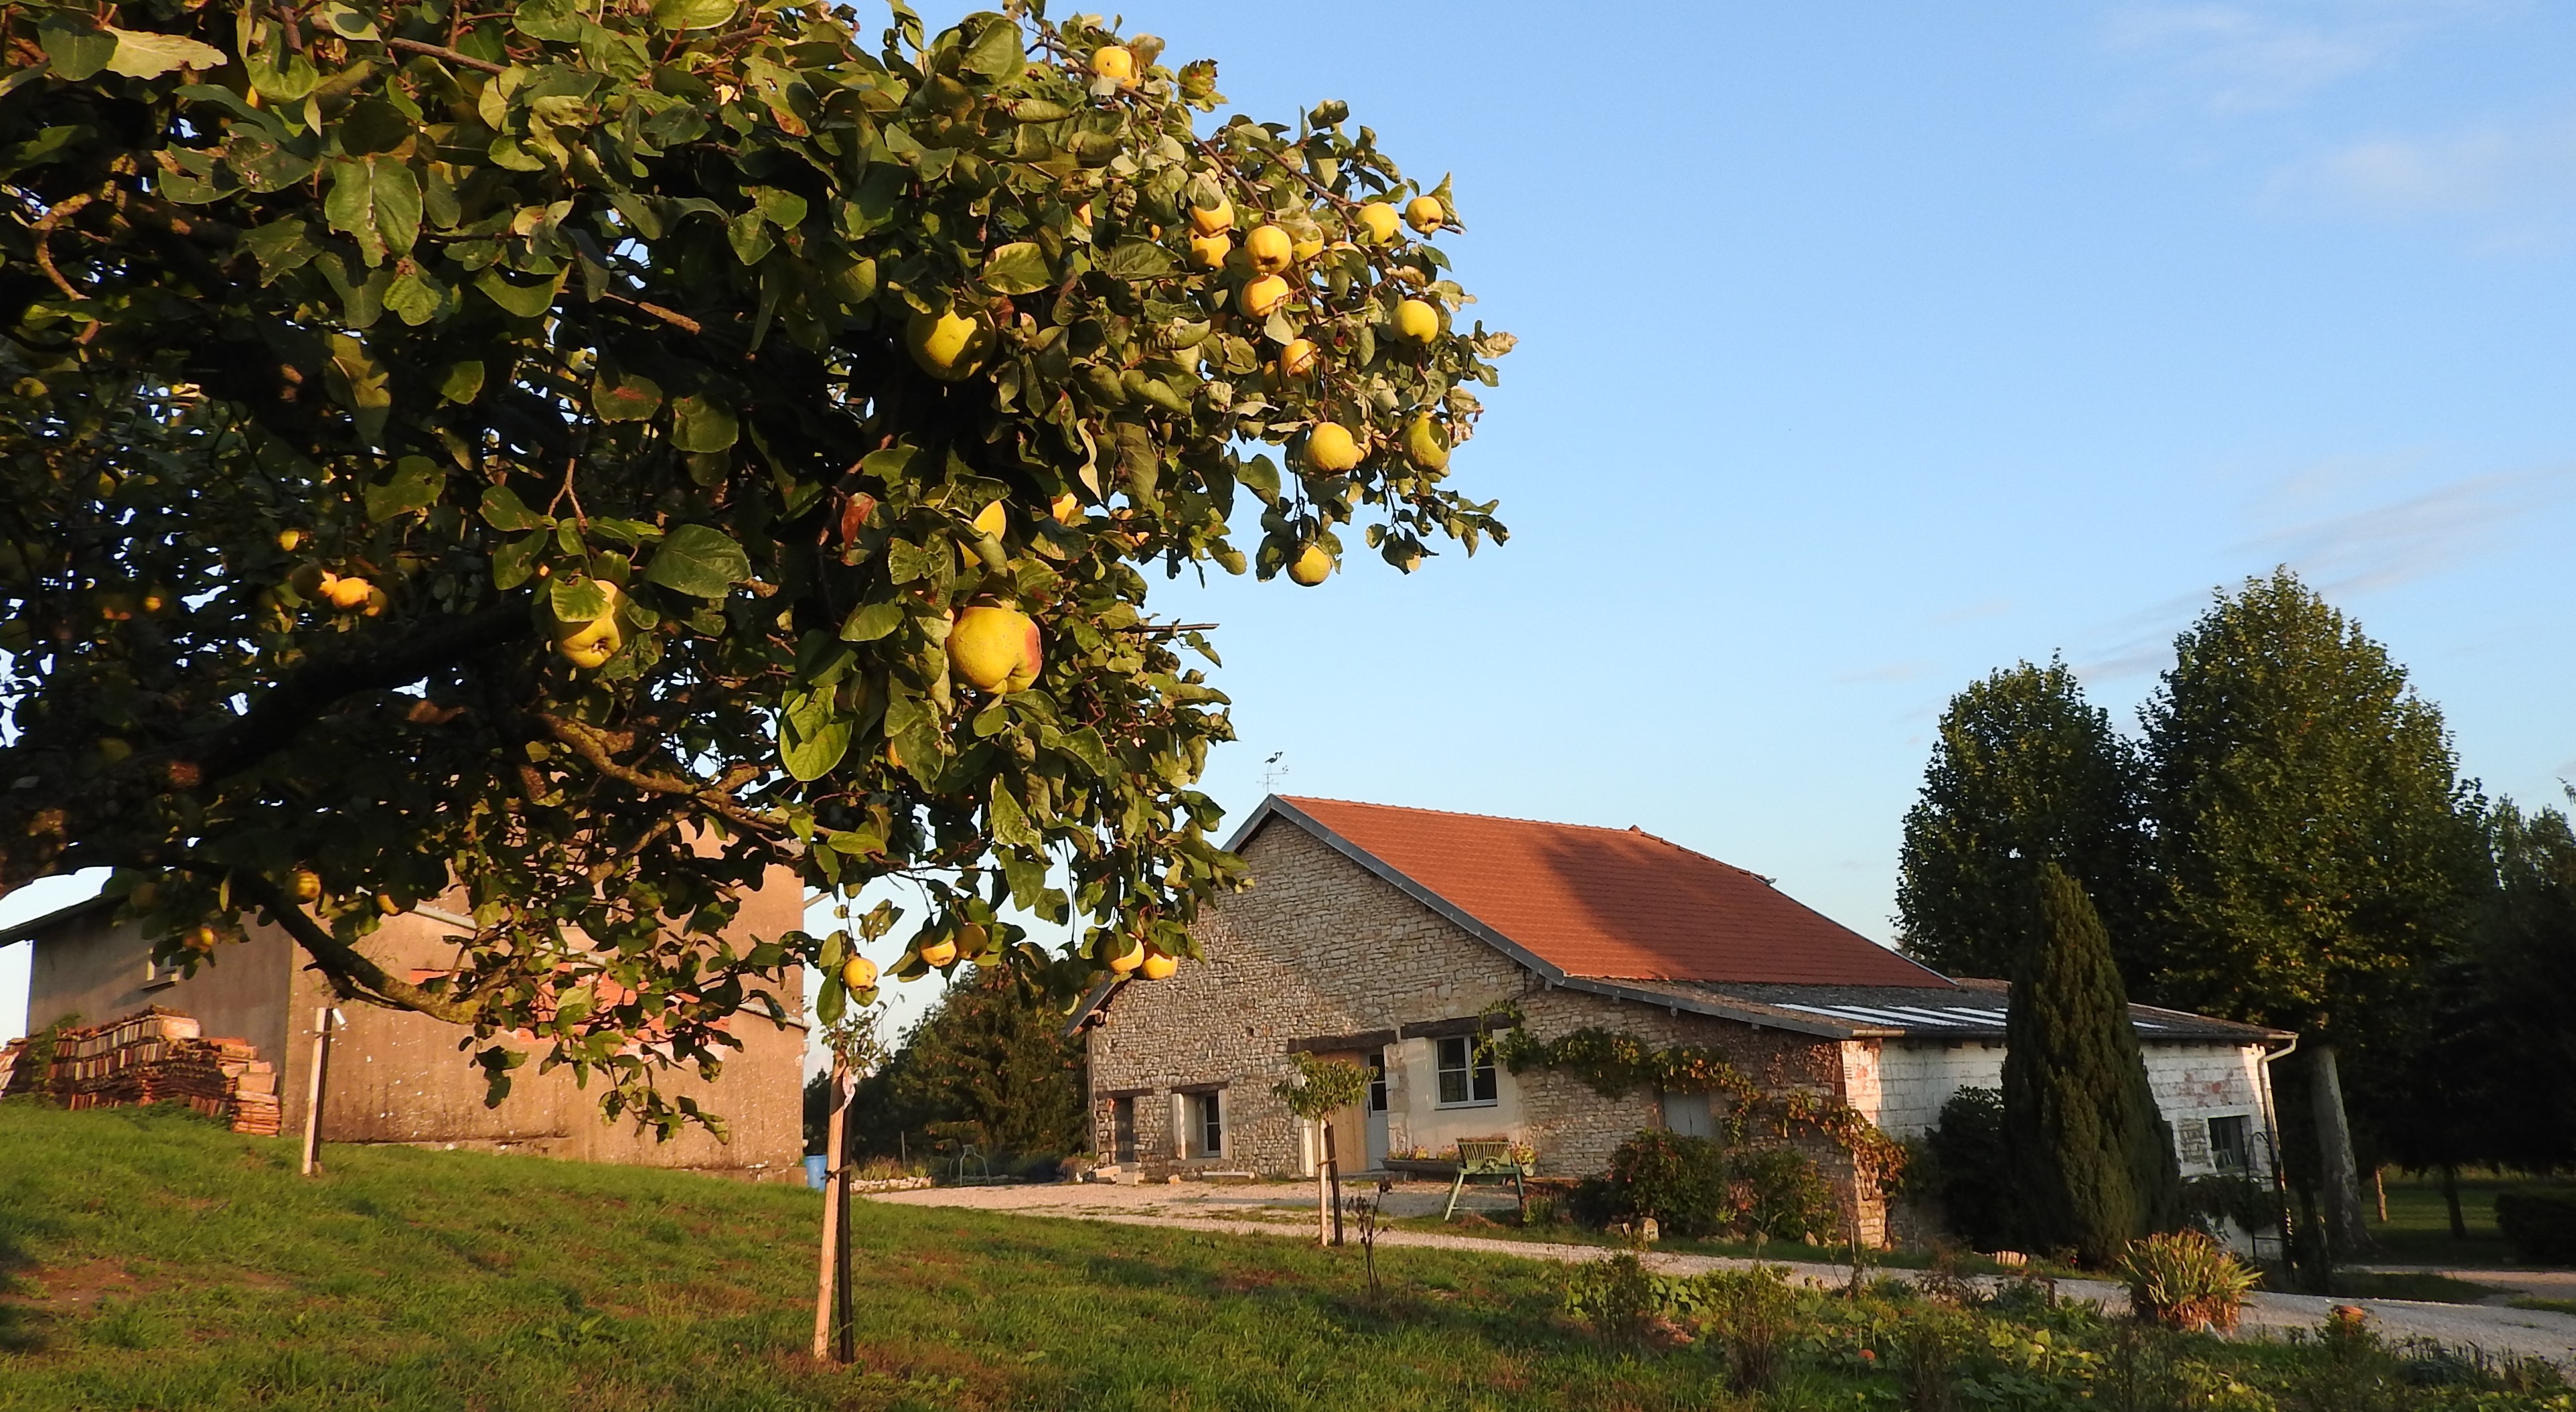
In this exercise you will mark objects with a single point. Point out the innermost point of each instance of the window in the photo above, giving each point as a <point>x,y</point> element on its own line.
<point>2231,1143</point>
<point>1377,1082</point>
<point>1466,1074</point>
<point>1207,1124</point>
<point>158,973</point>
<point>1688,1115</point>
<point>1122,1129</point>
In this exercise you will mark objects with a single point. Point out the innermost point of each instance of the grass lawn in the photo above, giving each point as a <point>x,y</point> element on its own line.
<point>156,1260</point>
<point>2418,1229</point>
<point>150,1259</point>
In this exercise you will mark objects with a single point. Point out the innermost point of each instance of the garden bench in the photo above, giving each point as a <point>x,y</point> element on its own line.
<point>1488,1159</point>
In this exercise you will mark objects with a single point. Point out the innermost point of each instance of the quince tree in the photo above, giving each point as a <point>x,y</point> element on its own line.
<point>540,453</point>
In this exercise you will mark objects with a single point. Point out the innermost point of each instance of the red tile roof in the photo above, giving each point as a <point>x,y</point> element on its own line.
<point>1604,903</point>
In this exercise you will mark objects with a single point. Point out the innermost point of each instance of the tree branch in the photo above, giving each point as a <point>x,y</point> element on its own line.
<point>592,747</point>
<point>436,51</point>
<point>282,712</point>
<point>354,975</point>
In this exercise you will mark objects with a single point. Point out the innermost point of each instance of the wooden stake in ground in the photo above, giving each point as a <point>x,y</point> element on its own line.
<point>322,1024</point>
<point>834,1186</point>
<point>1323,1178</point>
<point>1333,1164</point>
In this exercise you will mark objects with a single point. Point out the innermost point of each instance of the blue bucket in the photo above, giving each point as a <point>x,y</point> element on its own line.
<point>818,1169</point>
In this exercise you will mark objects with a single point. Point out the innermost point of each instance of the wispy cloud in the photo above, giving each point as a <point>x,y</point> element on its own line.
<point>2404,540</point>
<point>2517,178</point>
<point>2248,58</point>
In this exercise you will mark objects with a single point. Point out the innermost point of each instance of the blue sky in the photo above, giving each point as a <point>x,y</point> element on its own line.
<point>1866,348</point>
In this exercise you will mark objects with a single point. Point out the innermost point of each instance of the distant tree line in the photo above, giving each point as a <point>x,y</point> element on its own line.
<point>988,1064</point>
<point>2289,842</point>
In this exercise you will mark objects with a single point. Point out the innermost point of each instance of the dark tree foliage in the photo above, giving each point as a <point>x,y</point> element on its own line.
<point>2527,957</point>
<point>1971,1170</point>
<point>989,1064</point>
<point>2094,1164</point>
<point>2024,772</point>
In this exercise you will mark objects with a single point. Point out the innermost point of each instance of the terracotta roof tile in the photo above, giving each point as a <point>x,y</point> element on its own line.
<point>1612,903</point>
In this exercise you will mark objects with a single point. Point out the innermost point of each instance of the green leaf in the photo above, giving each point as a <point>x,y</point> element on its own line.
<point>503,510</point>
<point>1010,822</point>
<point>74,46</point>
<point>577,600</point>
<point>779,206</point>
<point>413,298</point>
<point>996,53</point>
<point>414,485</point>
<point>870,621</point>
<point>831,999</point>
<point>525,300</point>
<point>1138,259</point>
<point>1039,110</point>
<point>144,54</point>
<point>698,561</point>
<point>691,14</point>
<point>359,383</point>
<point>515,562</point>
<point>279,246</point>
<point>1017,268</point>
<point>625,397</point>
<point>812,735</point>
<point>463,381</point>
<point>702,423</point>
<point>377,201</point>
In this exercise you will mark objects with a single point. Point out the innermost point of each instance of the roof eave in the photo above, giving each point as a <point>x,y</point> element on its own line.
<point>1763,1016</point>
<point>37,926</point>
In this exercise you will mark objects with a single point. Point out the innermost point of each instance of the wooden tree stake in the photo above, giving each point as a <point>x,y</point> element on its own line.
<point>833,1188</point>
<point>322,1026</point>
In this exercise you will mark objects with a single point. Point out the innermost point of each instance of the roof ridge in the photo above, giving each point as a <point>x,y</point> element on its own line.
<point>1517,819</point>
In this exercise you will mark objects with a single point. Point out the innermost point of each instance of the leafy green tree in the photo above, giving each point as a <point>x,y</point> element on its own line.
<point>2093,1162</point>
<point>595,455</point>
<point>2025,772</point>
<point>2526,960</point>
<point>2319,842</point>
<point>990,1064</point>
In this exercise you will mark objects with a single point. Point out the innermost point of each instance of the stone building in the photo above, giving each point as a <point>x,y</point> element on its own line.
<point>395,1076</point>
<point>1386,936</point>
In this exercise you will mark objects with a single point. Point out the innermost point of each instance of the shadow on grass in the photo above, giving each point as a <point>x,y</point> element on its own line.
<point>21,1226</point>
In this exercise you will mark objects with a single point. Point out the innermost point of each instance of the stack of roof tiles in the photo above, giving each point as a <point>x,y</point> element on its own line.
<point>156,1056</point>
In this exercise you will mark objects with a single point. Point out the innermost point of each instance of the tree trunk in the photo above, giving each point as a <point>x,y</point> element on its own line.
<point>2339,1175</point>
<point>2451,1198</point>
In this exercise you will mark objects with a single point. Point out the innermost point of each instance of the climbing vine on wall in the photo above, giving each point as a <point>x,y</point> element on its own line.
<point>1613,1064</point>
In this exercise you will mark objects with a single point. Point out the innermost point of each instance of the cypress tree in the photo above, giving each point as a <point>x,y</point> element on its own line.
<point>2093,1162</point>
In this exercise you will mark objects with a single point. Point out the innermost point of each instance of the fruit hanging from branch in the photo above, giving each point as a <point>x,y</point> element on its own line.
<point>566,462</point>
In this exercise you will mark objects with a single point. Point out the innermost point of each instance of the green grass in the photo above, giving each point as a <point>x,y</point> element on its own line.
<point>155,1260</point>
<point>2545,1306</point>
<point>151,1259</point>
<point>2418,1229</point>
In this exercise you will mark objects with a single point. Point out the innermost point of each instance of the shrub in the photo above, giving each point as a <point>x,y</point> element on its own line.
<point>1620,1297</point>
<point>2539,1223</point>
<point>1970,1174</point>
<point>1693,1187</point>
<point>1754,1316</point>
<point>1680,1181</point>
<point>2185,1280</point>
<point>1777,1194</point>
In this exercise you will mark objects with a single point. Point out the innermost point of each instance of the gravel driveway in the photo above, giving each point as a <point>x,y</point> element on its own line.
<point>1288,1209</point>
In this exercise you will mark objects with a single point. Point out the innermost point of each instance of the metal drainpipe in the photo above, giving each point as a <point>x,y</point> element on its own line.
<point>2272,1141</point>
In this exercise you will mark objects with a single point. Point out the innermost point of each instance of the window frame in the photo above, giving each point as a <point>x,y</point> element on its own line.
<point>2242,1149</point>
<point>1207,1123</point>
<point>1377,1092</point>
<point>1476,1072</point>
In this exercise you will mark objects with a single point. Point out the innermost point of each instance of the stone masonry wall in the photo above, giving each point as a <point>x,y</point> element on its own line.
<point>1319,947</point>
